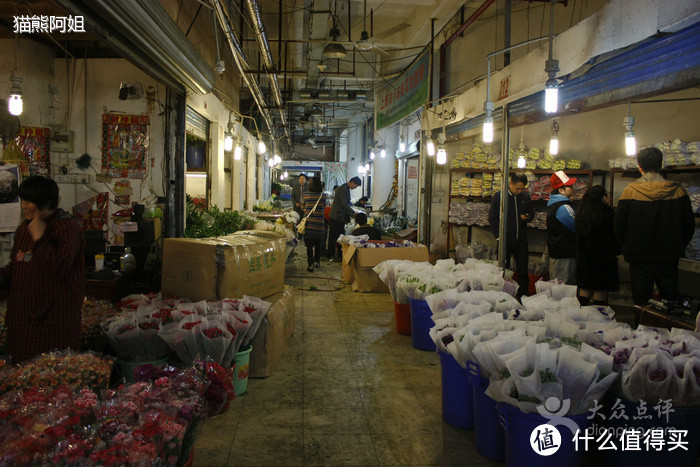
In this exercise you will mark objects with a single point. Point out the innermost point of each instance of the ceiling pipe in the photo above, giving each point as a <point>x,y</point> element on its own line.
<point>443,48</point>
<point>241,63</point>
<point>264,45</point>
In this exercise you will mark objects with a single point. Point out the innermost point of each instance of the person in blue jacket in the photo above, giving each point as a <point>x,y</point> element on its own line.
<point>561,229</point>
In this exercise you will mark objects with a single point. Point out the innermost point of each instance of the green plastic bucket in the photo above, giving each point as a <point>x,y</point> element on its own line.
<point>126,368</point>
<point>240,377</point>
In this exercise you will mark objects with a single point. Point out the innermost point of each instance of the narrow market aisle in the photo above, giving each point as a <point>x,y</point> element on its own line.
<point>349,390</point>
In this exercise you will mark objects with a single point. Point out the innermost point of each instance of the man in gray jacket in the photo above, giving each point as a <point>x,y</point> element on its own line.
<point>341,212</point>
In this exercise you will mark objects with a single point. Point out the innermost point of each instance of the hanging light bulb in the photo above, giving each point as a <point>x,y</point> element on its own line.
<point>554,145</point>
<point>551,96</point>
<point>371,154</point>
<point>361,169</point>
<point>487,131</point>
<point>521,162</point>
<point>441,158</point>
<point>554,140</point>
<point>228,141</point>
<point>630,141</point>
<point>262,148</point>
<point>441,152</point>
<point>286,174</point>
<point>382,153</point>
<point>271,162</point>
<point>402,144</point>
<point>551,67</point>
<point>15,104</point>
<point>238,152</point>
<point>366,167</point>
<point>277,159</point>
<point>430,147</point>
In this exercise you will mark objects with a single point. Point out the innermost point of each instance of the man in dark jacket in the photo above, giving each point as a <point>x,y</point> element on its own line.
<point>298,195</point>
<point>519,214</point>
<point>341,210</point>
<point>363,228</point>
<point>561,229</point>
<point>654,223</point>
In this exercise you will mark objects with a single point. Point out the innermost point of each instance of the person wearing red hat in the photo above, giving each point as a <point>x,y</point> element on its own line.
<point>561,229</point>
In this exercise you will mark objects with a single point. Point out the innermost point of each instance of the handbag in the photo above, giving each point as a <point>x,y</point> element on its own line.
<point>301,228</point>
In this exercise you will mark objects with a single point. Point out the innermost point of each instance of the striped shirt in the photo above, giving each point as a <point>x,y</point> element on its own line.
<point>315,223</point>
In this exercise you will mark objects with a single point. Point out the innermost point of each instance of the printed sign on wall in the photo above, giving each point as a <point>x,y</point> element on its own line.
<point>401,96</point>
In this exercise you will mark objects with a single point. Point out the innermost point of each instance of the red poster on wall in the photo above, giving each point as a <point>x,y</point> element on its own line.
<point>124,145</point>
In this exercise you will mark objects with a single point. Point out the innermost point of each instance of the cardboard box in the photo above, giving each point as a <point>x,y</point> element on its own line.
<point>348,274</point>
<point>273,335</point>
<point>362,260</point>
<point>245,263</point>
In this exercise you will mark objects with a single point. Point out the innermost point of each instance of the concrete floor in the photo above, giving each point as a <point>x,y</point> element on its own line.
<point>349,390</point>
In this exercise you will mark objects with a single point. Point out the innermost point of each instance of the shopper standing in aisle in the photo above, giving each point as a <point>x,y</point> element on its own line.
<point>314,205</point>
<point>298,195</point>
<point>341,210</point>
<point>520,212</point>
<point>597,248</point>
<point>561,229</point>
<point>46,275</point>
<point>363,228</point>
<point>654,223</point>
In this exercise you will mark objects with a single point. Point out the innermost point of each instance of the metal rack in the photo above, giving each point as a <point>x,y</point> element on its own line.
<point>588,172</point>
<point>634,173</point>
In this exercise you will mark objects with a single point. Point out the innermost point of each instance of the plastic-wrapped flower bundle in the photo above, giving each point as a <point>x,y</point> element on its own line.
<point>657,364</point>
<point>156,327</point>
<point>410,280</point>
<point>94,311</point>
<point>74,370</point>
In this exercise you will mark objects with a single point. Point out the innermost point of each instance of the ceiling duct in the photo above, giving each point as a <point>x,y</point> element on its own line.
<point>327,96</point>
<point>241,63</point>
<point>145,30</point>
<point>264,45</point>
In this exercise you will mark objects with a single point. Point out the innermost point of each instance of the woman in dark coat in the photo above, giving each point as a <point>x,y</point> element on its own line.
<point>597,248</point>
<point>315,224</point>
<point>46,275</point>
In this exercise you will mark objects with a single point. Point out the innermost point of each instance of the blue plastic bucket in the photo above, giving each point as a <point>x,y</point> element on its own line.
<point>519,427</point>
<point>240,377</point>
<point>457,406</point>
<point>682,418</point>
<point>421,322</point>
<point>489,434</point>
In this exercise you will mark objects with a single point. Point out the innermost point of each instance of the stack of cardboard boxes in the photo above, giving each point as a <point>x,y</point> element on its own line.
<point>244,263</point>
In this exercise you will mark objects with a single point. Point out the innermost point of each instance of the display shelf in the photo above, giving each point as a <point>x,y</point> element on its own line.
<point>590,173</point>
<point>634,173</point>
<point>473,198</point>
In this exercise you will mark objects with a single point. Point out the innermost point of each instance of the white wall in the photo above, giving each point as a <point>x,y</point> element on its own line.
<point>357,155</point>
<point>383,169</point>
<point>611,28</point>
<point>103,80</point>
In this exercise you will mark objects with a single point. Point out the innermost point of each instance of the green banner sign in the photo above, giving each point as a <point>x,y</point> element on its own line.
<point>404,94</point>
